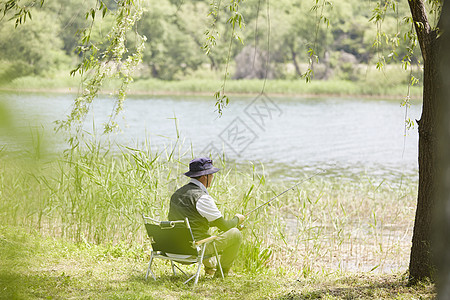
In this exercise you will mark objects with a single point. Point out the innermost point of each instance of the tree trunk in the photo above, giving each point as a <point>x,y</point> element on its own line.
<point>294,61</point>
<point>421,263</point>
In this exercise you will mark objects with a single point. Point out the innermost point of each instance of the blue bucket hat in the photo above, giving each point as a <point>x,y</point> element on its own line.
<point>201,166</point>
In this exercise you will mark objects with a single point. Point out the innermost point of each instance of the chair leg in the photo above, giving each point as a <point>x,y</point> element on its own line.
<point>149,270</point>
<point>199,263</point>
<point>173,268</point>
<point>217,258</point>
<point>189,279</point>
<point>181,270</point>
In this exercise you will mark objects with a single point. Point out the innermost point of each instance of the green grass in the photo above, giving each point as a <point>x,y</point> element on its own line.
<point>392,82</point>
<point>35,267</point>
<point>285,87</point>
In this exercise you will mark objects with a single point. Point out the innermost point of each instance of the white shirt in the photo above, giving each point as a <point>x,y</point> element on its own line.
<point>206,206</point>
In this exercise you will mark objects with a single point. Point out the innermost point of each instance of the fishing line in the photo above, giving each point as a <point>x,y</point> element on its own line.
<point>285,191</point>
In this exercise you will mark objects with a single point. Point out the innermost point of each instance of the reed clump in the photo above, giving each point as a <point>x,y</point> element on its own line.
<point>96,195</point>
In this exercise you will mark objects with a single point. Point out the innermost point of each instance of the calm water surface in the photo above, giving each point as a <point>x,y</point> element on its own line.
<point>289,136</point>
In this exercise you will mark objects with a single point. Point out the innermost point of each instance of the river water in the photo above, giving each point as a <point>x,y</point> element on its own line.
<point>290,136</point>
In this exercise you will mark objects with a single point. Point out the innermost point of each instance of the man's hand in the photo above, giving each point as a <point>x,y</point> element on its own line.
<point>241,218</point>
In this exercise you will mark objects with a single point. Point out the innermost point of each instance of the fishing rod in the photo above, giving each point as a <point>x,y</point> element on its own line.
<point>292,187</point>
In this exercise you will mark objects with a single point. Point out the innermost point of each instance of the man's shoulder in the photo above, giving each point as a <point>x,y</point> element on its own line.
<point>189,188</point>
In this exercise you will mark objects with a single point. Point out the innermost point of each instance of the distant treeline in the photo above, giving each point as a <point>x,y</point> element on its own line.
<point>175,32</point>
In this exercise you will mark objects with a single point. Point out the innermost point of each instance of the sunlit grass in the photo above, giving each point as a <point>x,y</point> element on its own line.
<point>36,267</point>
<point>390,83</point>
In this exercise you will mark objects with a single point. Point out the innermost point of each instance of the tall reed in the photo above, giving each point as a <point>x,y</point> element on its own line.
<point>97,193</point>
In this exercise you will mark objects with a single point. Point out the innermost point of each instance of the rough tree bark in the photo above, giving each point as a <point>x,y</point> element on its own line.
<point>421,263</point>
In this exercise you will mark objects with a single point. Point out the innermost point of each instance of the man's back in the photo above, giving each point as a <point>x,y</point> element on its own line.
<point>183,204</point>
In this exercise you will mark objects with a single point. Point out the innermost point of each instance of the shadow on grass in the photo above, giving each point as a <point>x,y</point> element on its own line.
<point>15,255</point>
<point>18,254</point>
<point>172,280</point>
<point>29,269</point>
<point>363,288</point>
<point>32,267</point>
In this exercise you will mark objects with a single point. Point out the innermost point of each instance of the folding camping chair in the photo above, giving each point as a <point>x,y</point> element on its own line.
<point>174,241</point>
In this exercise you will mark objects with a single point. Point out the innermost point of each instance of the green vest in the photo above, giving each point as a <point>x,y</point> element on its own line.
<point>183,203</point>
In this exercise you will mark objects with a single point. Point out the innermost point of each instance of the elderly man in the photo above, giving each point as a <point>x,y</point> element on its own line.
<point>194,202</point>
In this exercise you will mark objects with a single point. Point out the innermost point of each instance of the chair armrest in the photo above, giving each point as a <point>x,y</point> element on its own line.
<point>207,240</point>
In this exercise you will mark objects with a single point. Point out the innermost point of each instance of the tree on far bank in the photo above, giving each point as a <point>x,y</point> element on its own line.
<point>26,47</point>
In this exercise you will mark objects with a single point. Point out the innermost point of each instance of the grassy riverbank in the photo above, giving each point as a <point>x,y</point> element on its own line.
<point>391,83</point>
<point>35,267</point>
<point>76,220</point>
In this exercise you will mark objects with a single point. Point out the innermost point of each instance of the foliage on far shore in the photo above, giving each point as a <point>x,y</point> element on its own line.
<point>276,40</point>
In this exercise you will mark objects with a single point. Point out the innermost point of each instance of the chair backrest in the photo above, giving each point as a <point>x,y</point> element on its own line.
<point>171,237</point>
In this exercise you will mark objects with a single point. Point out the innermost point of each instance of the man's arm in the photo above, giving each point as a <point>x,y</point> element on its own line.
<point>206,206</point>
<point>225,225</point>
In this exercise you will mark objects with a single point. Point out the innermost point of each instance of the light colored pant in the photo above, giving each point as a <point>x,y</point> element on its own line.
<point>227,242</point>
